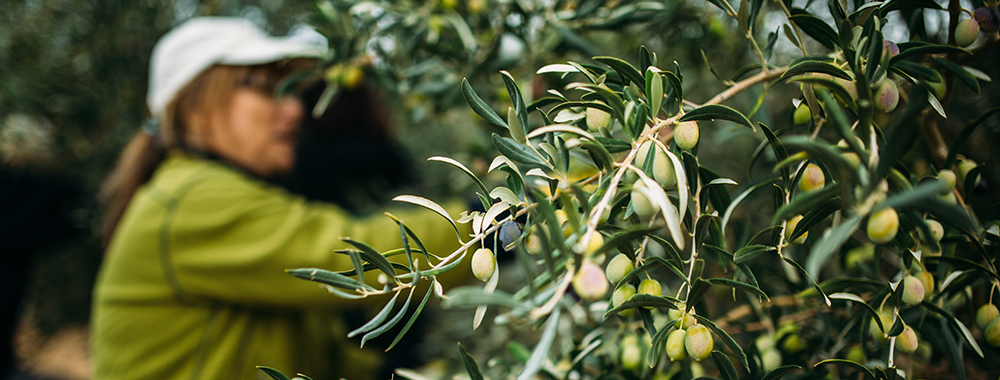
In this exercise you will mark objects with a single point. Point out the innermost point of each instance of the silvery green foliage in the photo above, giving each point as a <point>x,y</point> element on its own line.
<point>573,195</point>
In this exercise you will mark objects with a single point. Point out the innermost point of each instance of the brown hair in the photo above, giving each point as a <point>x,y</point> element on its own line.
<point>210,93</point>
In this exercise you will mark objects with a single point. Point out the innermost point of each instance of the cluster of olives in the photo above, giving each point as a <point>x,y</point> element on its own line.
<point>663,170</point>
<point>661,167</point>
<point>988,320</point>
<point>916,287</point>
<point>690,339</point>
<point>984,18</point>
<point>685,133</point>
<point>906,341</point>
<point>619,267</point>
<point>771,346</point>
<point>770,356</point>
<point>348,75</point>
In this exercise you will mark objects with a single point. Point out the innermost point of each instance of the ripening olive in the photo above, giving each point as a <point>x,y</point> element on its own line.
<point>812,178</point>
<point>992,333</point>
<point>913,290</point>
<point>675,345</point>
<point>966,32</point>
<point>686,135</point>
<point>698,342</point>
<point>986,314</point>
<point>907,340</point>
<point>618,268</point>
<point>887,96</point>
<point>483,264</point>
<point>883,225</point>
<point>890,48</point>
<point>590,283</point>
<point>621,295</point>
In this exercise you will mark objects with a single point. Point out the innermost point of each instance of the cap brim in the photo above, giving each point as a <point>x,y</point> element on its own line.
<point>267,50</point>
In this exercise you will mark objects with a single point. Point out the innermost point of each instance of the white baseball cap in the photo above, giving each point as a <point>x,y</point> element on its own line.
<point>197,44</point>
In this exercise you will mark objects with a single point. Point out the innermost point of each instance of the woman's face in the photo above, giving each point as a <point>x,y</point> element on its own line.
<point>262,133</point>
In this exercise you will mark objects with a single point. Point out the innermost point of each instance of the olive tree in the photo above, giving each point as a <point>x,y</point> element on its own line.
<point>849,248</point>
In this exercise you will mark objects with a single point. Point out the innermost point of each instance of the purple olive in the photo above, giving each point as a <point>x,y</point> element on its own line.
<point>889,47</point>
<point>988,18</point>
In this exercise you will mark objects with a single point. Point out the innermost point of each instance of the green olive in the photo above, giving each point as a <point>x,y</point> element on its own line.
<point>883,225</point>
<point>619,267</point>
<point>992,333</point>
<point>641,204</point>
<point>622,294</point>
<point>483,264</point>
<point>686,135</point>
<point>651,287</point>
<point>597,119</point>
<point>986,314</point>
<point>675,345</point>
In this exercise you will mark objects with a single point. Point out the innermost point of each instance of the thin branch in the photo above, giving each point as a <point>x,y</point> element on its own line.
<point>745,84</point>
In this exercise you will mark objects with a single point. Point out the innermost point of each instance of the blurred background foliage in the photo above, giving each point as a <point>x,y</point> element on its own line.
<point>73,80</point>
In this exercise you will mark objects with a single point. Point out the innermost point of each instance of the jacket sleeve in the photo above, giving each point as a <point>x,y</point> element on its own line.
<point>232,240</point>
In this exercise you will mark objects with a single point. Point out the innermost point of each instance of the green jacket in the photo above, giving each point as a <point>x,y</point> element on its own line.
<point>193,283</point>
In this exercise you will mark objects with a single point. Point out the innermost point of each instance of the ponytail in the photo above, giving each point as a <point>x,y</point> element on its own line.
<point>138,161</point>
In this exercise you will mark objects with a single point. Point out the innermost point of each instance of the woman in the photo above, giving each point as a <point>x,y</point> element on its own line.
<point>193,283</point>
